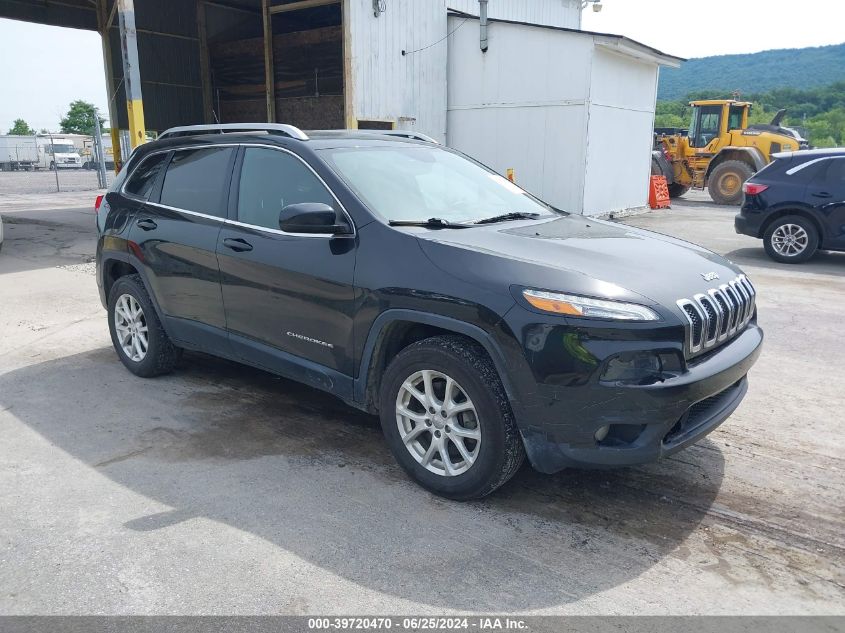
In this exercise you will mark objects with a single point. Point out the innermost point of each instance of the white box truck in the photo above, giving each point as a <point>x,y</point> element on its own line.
<point>18,152</point>
<point>58,152</point>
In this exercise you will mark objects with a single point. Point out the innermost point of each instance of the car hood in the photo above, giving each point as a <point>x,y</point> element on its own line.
<point>578,255</point>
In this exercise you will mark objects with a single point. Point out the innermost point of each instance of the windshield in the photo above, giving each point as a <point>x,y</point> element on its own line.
<point>416,182</point>
<point>62,149</point>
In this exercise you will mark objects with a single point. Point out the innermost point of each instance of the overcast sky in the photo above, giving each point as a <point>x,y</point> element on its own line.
<point>43,69</point>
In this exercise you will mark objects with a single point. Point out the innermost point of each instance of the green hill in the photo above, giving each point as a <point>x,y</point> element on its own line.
<point>799,68</point>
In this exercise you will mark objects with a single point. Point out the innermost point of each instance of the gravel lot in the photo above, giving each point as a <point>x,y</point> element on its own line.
<point>28,182</point>
<point>221,489</point>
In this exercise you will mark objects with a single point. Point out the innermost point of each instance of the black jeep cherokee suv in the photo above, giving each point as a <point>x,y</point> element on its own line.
<point>480,323</point>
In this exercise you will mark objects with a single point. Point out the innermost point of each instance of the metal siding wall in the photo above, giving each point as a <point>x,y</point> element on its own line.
<point>168,52</point>
<point>410,89</point>
<point>507,110</point>
<point>566,13</point>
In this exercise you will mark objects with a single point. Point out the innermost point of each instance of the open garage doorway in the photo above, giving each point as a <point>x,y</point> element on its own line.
<point>306,61</point>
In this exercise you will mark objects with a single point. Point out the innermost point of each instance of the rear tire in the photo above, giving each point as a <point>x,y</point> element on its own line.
<point>791,239</point>
<point>676,190</point>
<point>136,332</point>
<point>423,432</point>
<point>726,180</point>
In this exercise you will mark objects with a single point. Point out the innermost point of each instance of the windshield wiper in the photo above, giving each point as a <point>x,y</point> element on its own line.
<point>514,215</point>
<point>432,223</point>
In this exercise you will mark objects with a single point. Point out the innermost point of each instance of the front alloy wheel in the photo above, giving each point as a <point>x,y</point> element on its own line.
<point>447,418</point>
<point>438,423</point>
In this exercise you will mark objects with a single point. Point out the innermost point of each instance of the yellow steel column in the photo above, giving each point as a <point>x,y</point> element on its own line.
<point>131,72</point>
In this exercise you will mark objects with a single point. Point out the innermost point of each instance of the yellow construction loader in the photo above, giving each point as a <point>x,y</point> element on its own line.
<point>720,150</point>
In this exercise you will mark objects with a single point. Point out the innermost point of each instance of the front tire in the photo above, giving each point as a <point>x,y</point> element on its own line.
<point>136,332</point>
<point>447,418</point>
<point>726,180</point>
<point>791,239</point>
<point>676,190</point>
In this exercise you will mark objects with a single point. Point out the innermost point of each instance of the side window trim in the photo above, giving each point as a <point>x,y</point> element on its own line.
<point>155,194</point>
<point>235,185</point>
<point>236,181</point>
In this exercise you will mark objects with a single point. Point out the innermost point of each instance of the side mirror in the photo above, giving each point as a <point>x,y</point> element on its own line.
<point>313,217</point>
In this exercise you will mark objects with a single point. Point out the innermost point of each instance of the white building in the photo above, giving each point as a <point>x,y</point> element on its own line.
<point>571,112</point>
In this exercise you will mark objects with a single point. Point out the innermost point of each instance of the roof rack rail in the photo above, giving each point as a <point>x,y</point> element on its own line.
<point>234,128</point>
<point>409,134</point>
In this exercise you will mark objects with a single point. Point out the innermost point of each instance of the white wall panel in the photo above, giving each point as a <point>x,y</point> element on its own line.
<point>619,133</point>
<point>511,111</point>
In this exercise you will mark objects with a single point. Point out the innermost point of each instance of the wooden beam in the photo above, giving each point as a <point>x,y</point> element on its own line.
<point>254,46</point>
<point>269,69</point>
<point>302,4</point>
<point>205,71</point>
<point>104,22</point>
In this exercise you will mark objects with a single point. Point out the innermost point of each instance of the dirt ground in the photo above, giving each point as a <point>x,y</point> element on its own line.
<point>224,490</point>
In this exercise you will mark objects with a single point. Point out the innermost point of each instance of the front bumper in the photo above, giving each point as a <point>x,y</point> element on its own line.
<point>647,422</point>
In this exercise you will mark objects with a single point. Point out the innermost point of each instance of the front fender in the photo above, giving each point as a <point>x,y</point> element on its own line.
<point>479,335</point>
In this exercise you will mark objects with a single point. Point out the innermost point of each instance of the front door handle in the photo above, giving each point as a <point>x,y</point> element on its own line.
<point>237,244</point>
<point>822,194</point>
<point>146,224</point>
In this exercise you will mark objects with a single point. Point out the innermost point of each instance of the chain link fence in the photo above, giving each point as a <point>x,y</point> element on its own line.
<point>46,181</point>
<point>56,162</point>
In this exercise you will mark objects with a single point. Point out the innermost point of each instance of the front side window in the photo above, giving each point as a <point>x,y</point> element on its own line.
<point>418,182</point>
<point>705,125</point>
<point>271,180</point>
<point>143,179</point>
<point>196,180</point>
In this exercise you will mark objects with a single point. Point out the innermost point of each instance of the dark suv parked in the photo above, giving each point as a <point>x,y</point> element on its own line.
<point>480,323</point>
<point>796,204</point>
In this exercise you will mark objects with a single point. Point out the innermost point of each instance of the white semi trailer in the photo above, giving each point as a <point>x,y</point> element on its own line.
<point>18,152</point>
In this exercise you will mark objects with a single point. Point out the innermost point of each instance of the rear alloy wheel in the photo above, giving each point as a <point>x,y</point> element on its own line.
<point>136,332</point>
<point>791,240</point>
<point>726,180</point>
<point>447,419</point>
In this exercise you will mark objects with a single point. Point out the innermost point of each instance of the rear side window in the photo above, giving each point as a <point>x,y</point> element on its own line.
<point>271,180</point>
<point>196,180</point>
<point>810,170</point>
<point>143,179</point>
<point>835,175</point>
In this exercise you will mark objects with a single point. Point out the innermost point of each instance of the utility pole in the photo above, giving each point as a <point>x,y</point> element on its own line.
<point>55,162</point>
<point>98,147</point>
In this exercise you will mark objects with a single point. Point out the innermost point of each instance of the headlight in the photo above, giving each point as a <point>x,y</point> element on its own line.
<point>559,303</point>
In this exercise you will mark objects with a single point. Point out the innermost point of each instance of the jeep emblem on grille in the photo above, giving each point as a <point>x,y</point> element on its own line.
<point>710,276</point>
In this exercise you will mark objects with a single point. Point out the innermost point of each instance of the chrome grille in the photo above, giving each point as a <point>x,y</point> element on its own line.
<point>718,314</point>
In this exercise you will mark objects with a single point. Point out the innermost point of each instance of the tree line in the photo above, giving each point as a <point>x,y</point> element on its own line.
<point>818,112</point>
<point>78,120</point>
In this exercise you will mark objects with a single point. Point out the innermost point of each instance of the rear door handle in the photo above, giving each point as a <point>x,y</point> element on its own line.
<point>237,244</point>
<point>146,224</point>
<point>823,194</point>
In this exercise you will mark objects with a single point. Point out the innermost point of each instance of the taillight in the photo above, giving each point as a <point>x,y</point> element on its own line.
<point>98,202</point>
<point>752,188</point>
